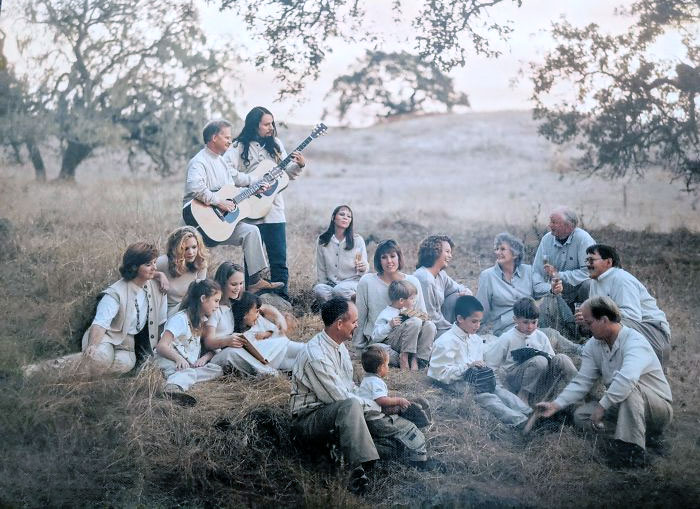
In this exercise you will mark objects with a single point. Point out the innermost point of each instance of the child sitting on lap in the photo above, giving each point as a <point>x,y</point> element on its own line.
<point>411,336</point>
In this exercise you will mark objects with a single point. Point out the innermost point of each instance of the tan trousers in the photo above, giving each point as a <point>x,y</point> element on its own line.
<point>643,411</point>
<point>186,378</point>
<point>502,404</point>
<point>659,339</point>
<point>413,336</point>
<point>542,379</point>
<point>343,421</point>
<point>113,359</point>
<point>345,289</point>
<point>248,236</point>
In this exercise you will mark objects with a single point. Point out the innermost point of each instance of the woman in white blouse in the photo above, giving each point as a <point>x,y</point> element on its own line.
<point>184,262</point>
<point>373,292</point>
<point>341,258</point>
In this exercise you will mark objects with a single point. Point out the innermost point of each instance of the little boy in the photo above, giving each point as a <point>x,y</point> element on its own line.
<point>411,336</point>
<point>527,361</point>
<point>407,441</point>
<point>458,351</point>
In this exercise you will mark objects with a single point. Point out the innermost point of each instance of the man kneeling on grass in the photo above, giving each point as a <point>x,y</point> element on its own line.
<point>637,401</point>
<point>457,364</point>
<point>325,404</point>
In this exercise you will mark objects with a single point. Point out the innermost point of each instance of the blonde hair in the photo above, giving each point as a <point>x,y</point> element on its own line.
<point>177,265</point>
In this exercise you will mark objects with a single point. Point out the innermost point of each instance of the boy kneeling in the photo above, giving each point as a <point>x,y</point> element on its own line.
<point>458,361</point>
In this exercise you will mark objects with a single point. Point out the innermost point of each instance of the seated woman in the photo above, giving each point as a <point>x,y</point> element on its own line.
<point>506,282</point>
<point>184,262</point>
<point>219,331</point>
<point>341,258</point>
<point>373,297</point>
<point>440,291</point>
<point>124,310</point>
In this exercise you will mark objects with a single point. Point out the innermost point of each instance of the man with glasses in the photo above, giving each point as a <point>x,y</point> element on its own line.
<point>638,308</point>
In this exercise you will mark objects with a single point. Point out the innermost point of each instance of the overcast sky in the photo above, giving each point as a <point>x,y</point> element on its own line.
<point>488,82</point>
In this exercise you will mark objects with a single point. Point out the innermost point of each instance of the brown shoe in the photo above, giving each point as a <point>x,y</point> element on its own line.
<point>263,285</point>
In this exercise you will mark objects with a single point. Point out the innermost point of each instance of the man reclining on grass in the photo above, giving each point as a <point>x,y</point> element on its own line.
<point>325,404</point>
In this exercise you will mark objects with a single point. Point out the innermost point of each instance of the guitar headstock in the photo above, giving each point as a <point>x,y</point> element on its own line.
<point>319,130</point>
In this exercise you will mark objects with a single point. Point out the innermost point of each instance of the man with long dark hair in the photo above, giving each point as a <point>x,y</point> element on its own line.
<point>256,142</point>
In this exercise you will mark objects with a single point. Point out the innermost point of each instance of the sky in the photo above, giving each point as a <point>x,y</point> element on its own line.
<point>488,82</point>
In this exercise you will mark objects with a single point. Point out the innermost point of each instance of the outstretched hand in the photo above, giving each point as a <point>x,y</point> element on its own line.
<point>547,408</point>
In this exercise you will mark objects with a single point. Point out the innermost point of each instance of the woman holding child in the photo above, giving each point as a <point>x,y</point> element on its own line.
<point>224,333</point>
<point>414,336</point>
<point>341,258</point>
<point>185,261</point>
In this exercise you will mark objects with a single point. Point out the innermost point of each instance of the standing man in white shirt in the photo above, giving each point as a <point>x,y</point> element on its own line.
<point>637,400</point>
<point>207,172</point>
<point>637,307</point>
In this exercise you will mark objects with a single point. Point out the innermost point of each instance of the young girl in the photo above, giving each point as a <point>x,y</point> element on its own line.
<point>263,334</point>
<point>179,351</point>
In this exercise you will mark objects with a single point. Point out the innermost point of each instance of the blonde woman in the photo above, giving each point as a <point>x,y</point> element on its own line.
<point>185,261</point>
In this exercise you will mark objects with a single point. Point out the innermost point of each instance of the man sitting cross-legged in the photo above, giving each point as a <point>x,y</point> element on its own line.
<point>637,402</point>
<point>457,364</point>
<point>325,402</point>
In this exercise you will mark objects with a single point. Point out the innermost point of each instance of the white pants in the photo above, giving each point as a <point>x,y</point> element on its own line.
<point>280,352</point>
<point>186,378</point>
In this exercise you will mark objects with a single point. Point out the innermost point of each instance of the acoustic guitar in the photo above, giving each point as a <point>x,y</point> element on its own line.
<point>216,225</point>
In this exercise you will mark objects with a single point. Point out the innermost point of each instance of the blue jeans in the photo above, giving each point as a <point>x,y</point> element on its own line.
<point>274,236</point>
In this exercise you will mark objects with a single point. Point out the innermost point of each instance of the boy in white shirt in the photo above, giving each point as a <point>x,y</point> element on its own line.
<point>411,336</point>
<point>529,367</point>
<point>459,351</point>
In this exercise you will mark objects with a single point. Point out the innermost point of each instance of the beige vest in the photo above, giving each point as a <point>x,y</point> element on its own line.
<point>124,293</point>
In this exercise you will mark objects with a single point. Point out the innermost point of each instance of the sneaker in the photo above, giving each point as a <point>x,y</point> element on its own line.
<point>263,285</point>
<point>177,395</point>
<point>359,482</point>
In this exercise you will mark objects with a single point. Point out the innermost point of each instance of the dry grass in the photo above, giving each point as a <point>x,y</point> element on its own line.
<point>86,442</point>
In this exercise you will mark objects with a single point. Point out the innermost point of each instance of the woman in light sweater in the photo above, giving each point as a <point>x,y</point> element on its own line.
<point>341,258</point>
<point>373,292</point>
<point>184,262</point>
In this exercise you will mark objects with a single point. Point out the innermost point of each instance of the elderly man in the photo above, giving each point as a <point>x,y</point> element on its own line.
<point>637,400</point>
<point>207,172</point>
<point>325,404</point>
<point>561,255</point>
<point>638,308</point>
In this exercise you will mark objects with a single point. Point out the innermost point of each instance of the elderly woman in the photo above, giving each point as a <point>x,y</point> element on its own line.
<point>219,332</point>
<point>341,258</point>
<point>373,296</point>
<point>506,282</point>
<point>185,261</point>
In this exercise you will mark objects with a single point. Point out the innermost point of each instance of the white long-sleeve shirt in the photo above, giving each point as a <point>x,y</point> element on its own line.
<point>435,290</point>
<point>452,354</point>
<point>630,295</point>
<point>512,340</point>
<point>630,361</point>
<point>207,172</point>
<point>371,298</point>
<point>334,263</point>
<point>322,374</point>
<point>382,326</point>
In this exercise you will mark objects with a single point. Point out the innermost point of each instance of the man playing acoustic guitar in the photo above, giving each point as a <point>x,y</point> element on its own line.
<point>207,172</point>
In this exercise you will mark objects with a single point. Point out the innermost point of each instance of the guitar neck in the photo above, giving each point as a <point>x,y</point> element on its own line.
<point>299,148</point>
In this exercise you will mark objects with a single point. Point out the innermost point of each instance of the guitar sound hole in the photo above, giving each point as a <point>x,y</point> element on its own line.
<point>271,191</point>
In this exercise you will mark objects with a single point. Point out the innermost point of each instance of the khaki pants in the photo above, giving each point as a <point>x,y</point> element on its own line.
<point>643,411</point>
<point>186,378</point>
<point>113,359</point>
<point>248,236</point>
<point>345,289</point>
<point>658,337</point>
<point>343,421</point>
<point>502,404</point>
<point>413,336</point>
<point>398,438</point>
<point>542,379</point>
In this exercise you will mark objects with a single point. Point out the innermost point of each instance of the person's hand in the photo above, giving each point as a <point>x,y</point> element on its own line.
<point>299,159</point>
<point>163,283</point>
<point>597,417</point>
<point>182,363</point>
<point>236,341</point>
<point>547,408</point>
<point>403,403</point>
<point>557,286</point>
<point>264,186</point>
<point>578,317</point>
<point>550,270</point>
<point>90,351</point>
<point>226,206</point>
<point>477,364</point>
<point>263,335</point>
<point>361,266</point>
<point>464,292</point>
<point>201,361</point>
<point>395,322</point>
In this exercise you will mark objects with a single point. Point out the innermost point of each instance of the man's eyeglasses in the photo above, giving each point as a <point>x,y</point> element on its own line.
<point>590,259</point>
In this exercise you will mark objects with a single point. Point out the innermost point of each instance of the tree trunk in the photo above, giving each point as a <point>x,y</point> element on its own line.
<point>16,152</point>
<point>74,154</point>
<point>37,161</point>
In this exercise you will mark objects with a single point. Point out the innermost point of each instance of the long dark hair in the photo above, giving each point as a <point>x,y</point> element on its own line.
<point>241,306</point>
<point>325,237</point>
<point>224,272</point>
<point>250,133</point>
<point>192,302</point>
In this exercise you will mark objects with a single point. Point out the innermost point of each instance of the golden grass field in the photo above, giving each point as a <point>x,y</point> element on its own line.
<point>115,442</point>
